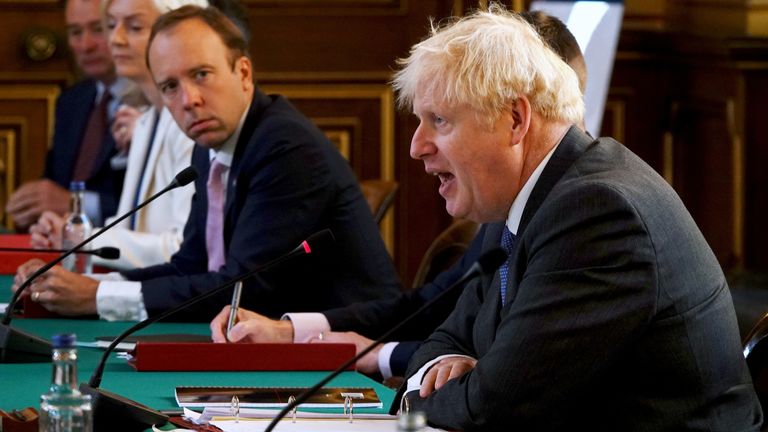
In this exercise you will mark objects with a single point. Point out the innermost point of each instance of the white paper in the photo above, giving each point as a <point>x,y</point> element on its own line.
<point>314,425</point>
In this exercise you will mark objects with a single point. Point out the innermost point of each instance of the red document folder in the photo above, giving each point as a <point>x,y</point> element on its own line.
<point>172,356</point>
<point>10,261</point>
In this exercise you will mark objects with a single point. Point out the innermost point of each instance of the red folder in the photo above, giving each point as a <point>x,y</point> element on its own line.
<point>180,356</point>
<point>10,261</point>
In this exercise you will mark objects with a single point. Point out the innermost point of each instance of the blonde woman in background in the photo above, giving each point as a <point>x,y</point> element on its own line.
<point>158,151</point>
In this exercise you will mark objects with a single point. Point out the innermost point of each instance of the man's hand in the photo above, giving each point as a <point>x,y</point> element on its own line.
<point>369,363</point>
<point>444,371</point>
<point>250,327</point>
<point>122,127</point>
<point>59,290</point>
<point>35,197</point>
<point>24,272</point>
<point>46,232</point>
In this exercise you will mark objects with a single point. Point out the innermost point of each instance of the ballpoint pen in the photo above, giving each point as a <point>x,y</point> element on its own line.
<point>235,305</point>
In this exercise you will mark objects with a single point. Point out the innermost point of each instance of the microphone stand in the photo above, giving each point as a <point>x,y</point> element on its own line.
<point>489,261</point>
<point>106,252</point>
<point>17,346</point>
<point>109,407</point>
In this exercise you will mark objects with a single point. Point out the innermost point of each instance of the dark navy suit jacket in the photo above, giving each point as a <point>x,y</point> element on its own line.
<point>286,183</point>
<point>73,108</point>
<point>618,316</point>
<point>374,318</point>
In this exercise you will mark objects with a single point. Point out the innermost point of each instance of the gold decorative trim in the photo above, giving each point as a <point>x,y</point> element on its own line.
<point>8,169</point>
<point>381,92</point>
<point>737,159</point>
<point>339,138</point>
<point>49,93</point>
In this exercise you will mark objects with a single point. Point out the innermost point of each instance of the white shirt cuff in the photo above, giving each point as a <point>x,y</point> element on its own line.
<point>414,382</point>
<point>384,355</point>
<point>120,301</point>
<point>306,326</point>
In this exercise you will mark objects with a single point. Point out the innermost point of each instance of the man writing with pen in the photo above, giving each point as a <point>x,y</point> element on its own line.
<point>269,179</point>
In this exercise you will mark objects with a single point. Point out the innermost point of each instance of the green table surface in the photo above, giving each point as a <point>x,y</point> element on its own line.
<point>22,384</point>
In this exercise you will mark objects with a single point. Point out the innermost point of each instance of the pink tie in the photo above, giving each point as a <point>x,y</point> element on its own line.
<point>214,230</point>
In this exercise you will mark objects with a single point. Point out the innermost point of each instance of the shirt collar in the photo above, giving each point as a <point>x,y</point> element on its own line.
<point>516,211</point>
<point>226,153</point>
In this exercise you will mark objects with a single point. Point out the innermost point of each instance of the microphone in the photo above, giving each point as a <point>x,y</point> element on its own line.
<point>17,346</point>
<point>487,263</point>
<point>106,252</point>
<point>108,406</point>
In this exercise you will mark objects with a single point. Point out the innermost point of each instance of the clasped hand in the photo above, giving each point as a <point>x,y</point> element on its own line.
<point>58,290</point>
<point>443,371</point>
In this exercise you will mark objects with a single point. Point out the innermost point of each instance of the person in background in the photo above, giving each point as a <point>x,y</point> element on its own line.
<point>159,150</point>
<point>83,146</point>
<point>359,322</point>
<point>269,180</point>
<point>611,311</point>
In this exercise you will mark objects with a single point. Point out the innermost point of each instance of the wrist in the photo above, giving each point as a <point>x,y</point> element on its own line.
<point>285,331</point>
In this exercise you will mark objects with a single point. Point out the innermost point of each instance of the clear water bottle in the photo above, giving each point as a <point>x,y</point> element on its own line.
<point>64,408</point>
<point>415,421</point>
<point>77,229</point>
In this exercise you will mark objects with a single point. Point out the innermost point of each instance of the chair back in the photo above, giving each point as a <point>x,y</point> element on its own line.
<point>756,354</point>
<point>379,194</point>
<point>445,250</point>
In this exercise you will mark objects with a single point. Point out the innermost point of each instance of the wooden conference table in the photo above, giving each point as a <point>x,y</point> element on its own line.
<point>21,384</point>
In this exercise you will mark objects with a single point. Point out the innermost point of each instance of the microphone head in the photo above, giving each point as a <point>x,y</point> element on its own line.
<point>319,241</point>
<point>185,176</point>
<point>491,260</point>
<point>108,252</point>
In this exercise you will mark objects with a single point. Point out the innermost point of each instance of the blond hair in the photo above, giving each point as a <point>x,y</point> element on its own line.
<point>162,6</point>
<point>487,60</point>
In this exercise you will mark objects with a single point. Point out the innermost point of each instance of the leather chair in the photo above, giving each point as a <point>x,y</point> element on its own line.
<point>380,195</point>
<point>445,250</point>
<point>756,354</point>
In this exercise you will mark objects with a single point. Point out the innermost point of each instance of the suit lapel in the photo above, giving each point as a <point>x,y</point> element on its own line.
<point>571,147</point>
<point>252,119</point>
<point>492,240</point>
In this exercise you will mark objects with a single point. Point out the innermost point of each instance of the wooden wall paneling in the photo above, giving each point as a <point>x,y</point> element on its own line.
<point>362,115</point>
<point>756,171</point>
<point>342,44</point>
<point>8,140</point>
<point>31,28</point>
<point>705,146</point>
<point>32,107</point>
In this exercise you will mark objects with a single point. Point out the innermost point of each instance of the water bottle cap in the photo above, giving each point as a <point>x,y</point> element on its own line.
<point>64,340</point>
<point>77,186</point>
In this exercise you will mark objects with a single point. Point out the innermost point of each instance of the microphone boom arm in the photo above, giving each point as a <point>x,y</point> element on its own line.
<point>492,258</point>
<point>49,265</point>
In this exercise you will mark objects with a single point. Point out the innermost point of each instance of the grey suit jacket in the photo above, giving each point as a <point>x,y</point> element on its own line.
<point>618,316</point>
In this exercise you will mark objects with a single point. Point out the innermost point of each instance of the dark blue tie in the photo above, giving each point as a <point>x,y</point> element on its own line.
<point>508,244</point>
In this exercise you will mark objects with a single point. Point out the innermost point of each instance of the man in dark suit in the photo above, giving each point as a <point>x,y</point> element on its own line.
<point>611,312</point>
<point>74,108</point>
<point>280,181</point>
<point>360,322</point>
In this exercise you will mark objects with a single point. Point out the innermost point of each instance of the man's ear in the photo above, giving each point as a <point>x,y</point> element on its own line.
<point>244,68</point>
<point>519,118</point>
